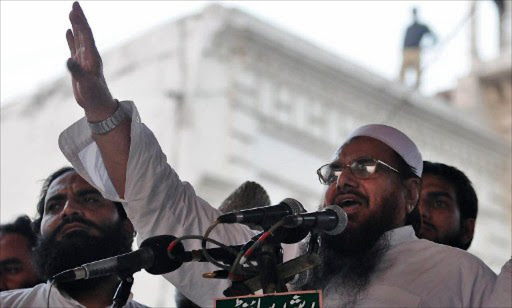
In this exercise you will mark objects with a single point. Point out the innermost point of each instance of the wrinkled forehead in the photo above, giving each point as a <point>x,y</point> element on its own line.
<point>70,180</point>
<point>363,146</point>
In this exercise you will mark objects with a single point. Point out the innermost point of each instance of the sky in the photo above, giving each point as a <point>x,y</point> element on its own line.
<point>368,33</point>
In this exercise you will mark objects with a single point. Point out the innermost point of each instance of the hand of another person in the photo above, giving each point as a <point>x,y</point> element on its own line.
<point>89,85</point>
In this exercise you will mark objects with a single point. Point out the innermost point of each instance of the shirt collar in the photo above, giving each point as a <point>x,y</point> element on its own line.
<point>401,235</point>
<point>66,296</point>
<point>55,292</point>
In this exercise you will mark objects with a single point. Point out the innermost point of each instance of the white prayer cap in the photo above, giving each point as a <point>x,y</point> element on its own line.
<point>396,140</point>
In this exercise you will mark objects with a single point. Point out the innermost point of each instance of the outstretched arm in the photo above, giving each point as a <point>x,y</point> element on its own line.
<point>92,94</point>
<point>154,198</point>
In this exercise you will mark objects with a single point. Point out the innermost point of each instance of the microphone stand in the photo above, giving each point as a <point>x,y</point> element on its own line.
<point>269,258</point>
<point>273,273</point>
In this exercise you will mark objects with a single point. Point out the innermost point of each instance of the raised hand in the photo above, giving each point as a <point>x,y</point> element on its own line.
<point>92,94</point>
<point>89,85</point>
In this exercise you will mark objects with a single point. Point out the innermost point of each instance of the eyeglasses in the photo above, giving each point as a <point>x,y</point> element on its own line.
<point>361,168</point>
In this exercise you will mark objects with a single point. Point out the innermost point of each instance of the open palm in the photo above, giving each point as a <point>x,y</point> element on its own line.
<point>89,85</point>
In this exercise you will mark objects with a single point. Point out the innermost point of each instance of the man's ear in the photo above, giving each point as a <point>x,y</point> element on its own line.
<point>468,229</point>
<point>412,192</point>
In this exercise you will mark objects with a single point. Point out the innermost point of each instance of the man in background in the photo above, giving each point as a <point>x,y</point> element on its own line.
<point>448,206</point>
<point>17,268</point>
<point>412,48</point>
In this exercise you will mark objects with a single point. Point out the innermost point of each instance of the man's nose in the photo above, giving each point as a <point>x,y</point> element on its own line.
<point>346,178</point>
<point>71,207</point>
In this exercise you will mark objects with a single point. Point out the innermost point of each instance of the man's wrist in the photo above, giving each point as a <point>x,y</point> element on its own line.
<point>110,122</point>
<point>101,111</point>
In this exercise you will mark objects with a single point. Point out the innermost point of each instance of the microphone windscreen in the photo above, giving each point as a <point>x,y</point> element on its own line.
<point>162,264</point>
<point>342,220</point>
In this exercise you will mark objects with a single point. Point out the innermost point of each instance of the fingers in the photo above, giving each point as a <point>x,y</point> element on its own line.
<point>71,42</point>
<point>84,25</point>
<point>85,48</point>
<point>81,29</point>
<point>75,26</point>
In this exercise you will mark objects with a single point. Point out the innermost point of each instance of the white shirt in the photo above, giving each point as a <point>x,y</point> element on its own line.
<point>502,292</point>
<point>420,273</point>
<point>413,273</point>
<point>38,297</point>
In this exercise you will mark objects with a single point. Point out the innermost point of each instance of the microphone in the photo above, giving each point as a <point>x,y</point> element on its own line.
<point>152,256</point>
<point>219,254</point>
<point>249,195</point>
<point>265,216</point>
<point>332,220</point>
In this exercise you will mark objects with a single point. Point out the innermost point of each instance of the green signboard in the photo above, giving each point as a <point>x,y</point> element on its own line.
<point>301,299</point>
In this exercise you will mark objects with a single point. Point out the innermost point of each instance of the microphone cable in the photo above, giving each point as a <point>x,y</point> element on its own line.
<point>205,251</point>
<point>174,243</point>
<point>49,292</point>
<point>243,255</point>
<point>261,239</point>
<point>207,255</point>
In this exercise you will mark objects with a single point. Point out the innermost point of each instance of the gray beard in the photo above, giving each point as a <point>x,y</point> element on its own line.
<point>349,259</point>
<point>352,275</point>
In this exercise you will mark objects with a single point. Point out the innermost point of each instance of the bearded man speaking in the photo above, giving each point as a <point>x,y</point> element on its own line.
<point>374,177</point>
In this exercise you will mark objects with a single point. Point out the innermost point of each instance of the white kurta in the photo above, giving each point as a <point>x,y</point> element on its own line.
<point>420,273</point>
<point>413,273</point>
<point>38,297</point>
<point>502,292</point>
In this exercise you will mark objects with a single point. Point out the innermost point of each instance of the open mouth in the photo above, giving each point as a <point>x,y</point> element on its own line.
<point>349,203</point>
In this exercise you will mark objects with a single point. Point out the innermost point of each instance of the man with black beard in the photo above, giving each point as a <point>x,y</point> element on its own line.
<point>375,176</point>
<point>76,226</point>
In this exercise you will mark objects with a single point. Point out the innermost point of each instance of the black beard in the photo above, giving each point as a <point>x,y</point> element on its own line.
<point>77,248</point>
<point>453,240</point>
<point>352,256</point>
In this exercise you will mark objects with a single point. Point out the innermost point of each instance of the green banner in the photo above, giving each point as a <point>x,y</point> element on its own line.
<point>302,299</point>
